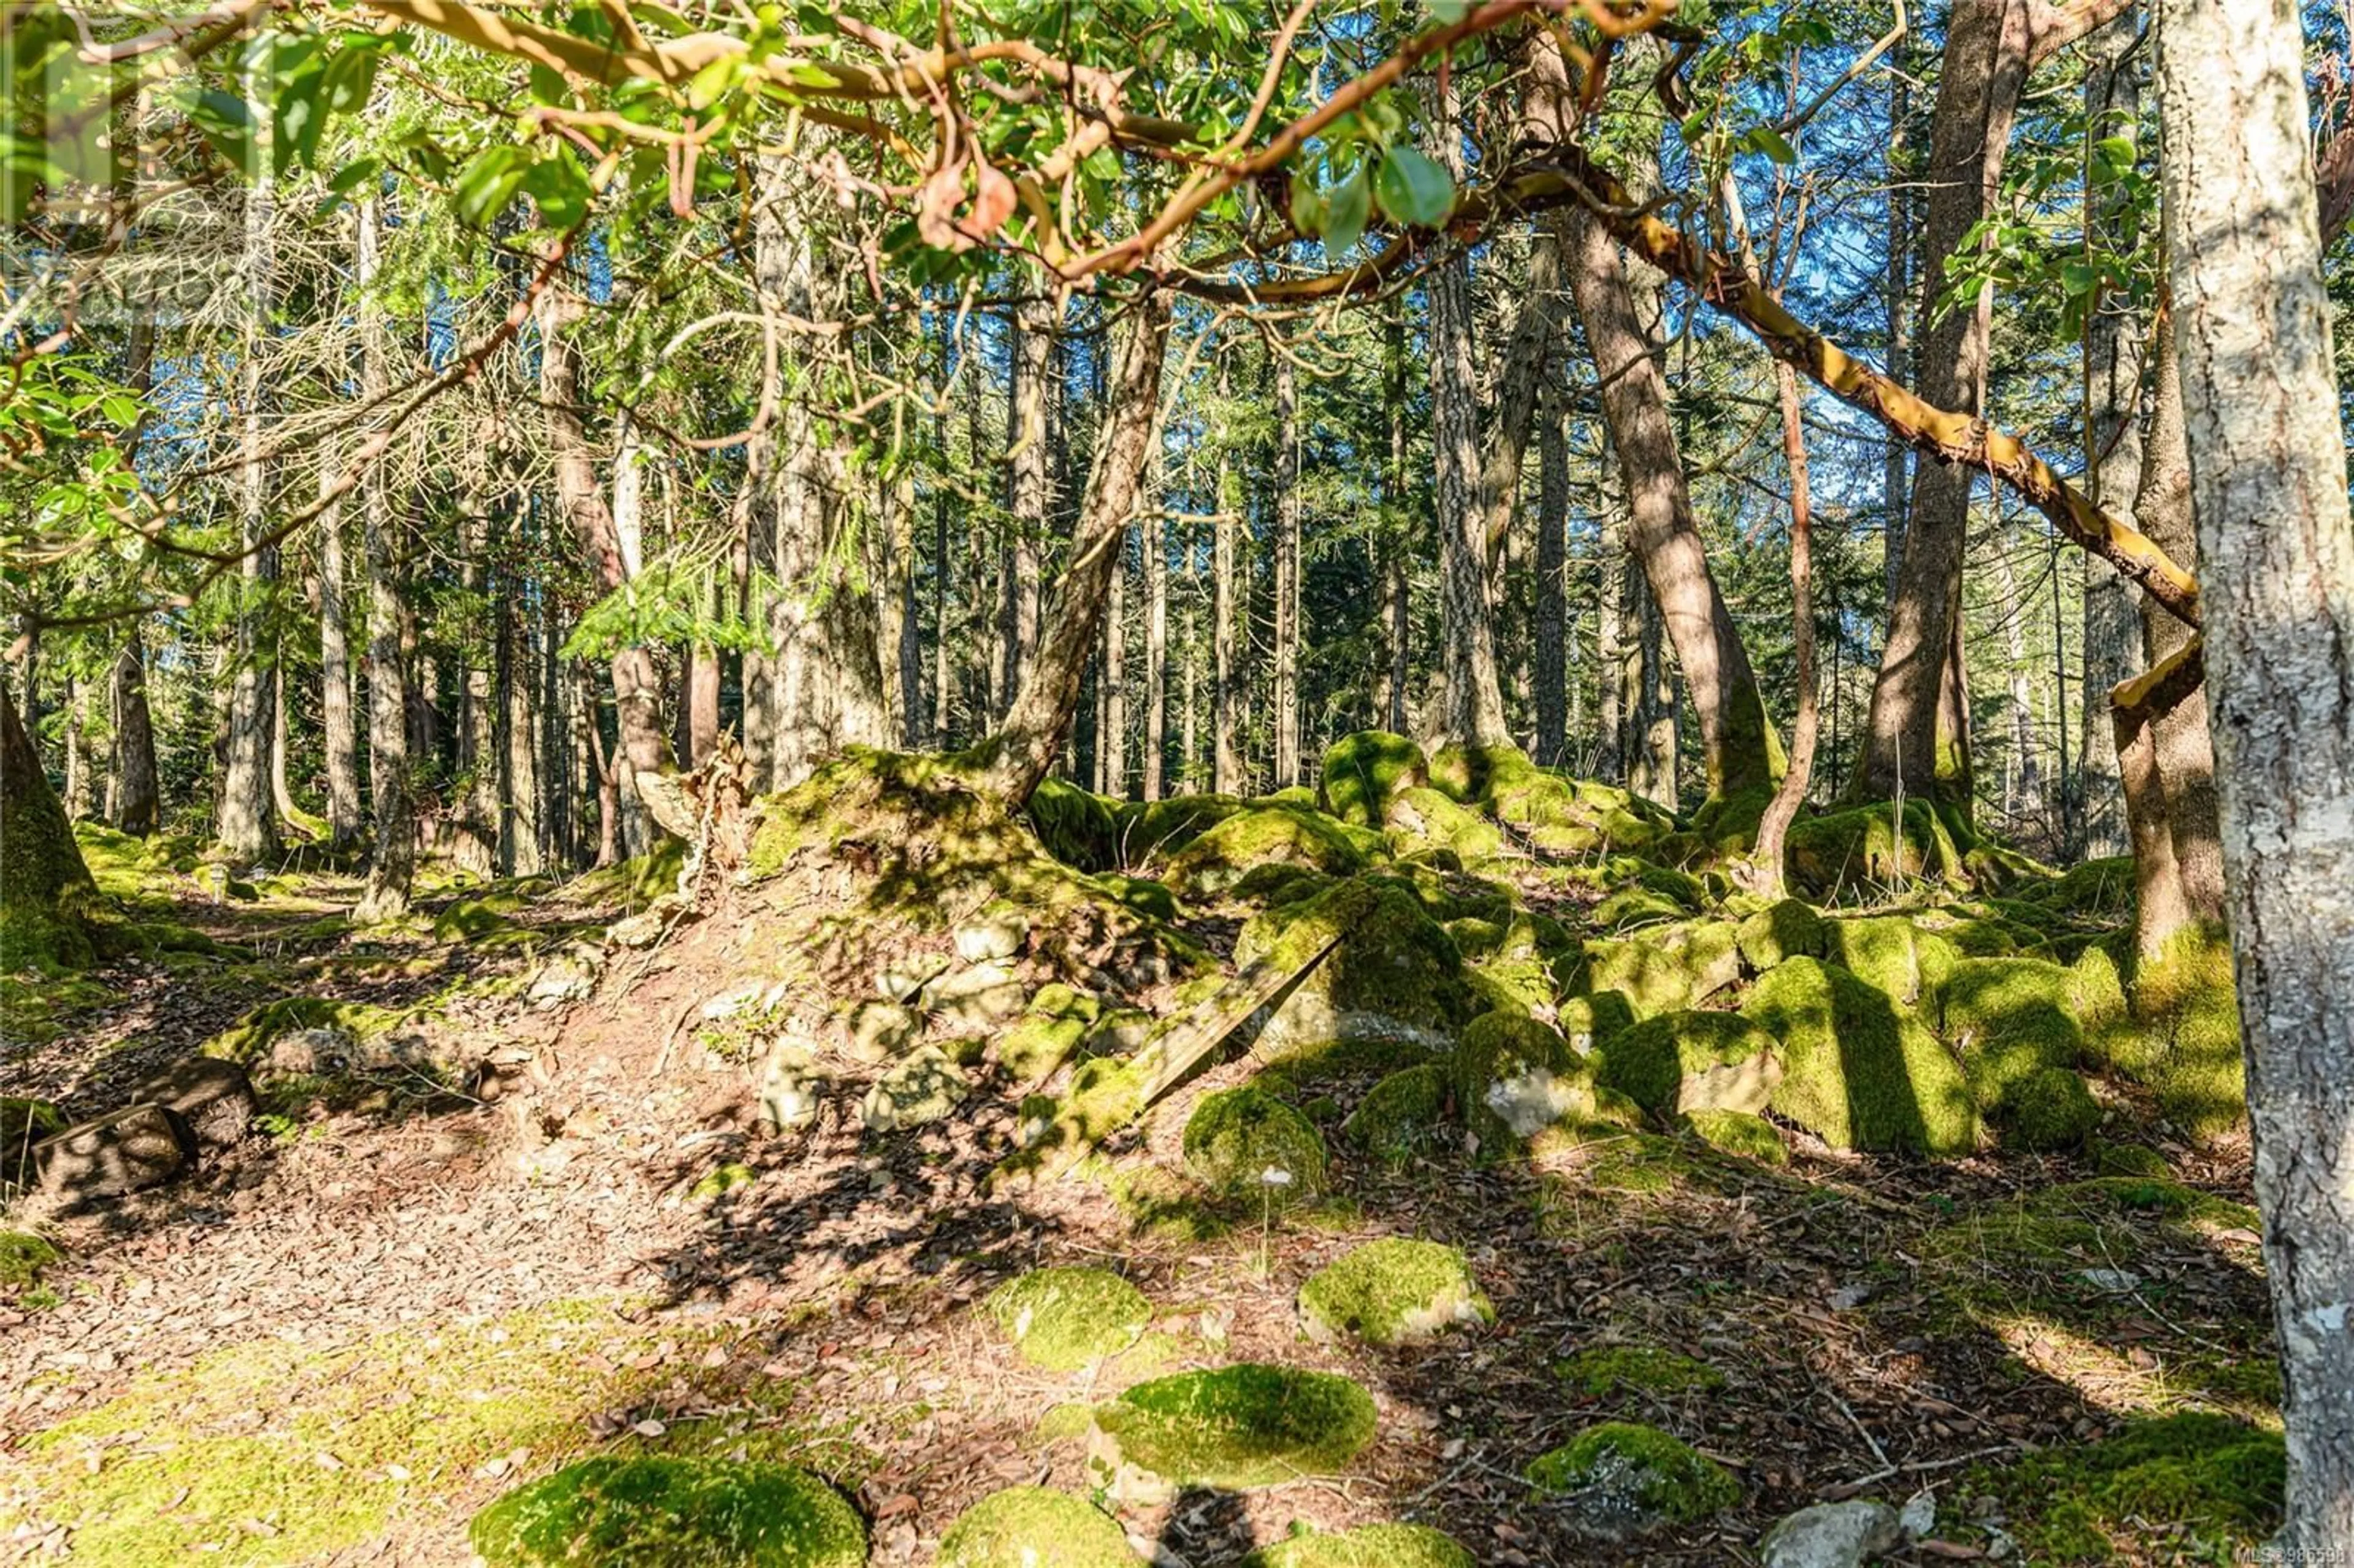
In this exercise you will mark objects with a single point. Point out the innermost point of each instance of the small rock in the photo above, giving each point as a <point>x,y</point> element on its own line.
<point>905,979</point>
<point>1850,1296</point>
<point>567,978</point>
<point>734,1002</point>
<point>2115,1281</point>
<point>1831,1535</point>
<point>642,929</point>
<point>991,935</point>
<point>926,1088</point>
<point>214,1099</point>
<point>1919,1517</point>
<point>978,997</point>
<point>790,1096</point>
<point>136,1147</point>
<point>306,1052</point>
<point>883,1032</point>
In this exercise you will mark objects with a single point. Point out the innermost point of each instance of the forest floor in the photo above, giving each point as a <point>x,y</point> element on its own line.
<point>337,1342</point>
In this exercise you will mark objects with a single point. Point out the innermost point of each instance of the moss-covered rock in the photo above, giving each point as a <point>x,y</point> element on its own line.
<point>1367,1546</point>
<point>671,1513</point>
<point>2129,1160</point>
<point>1662,968</point>
<point>1078,827</point>
<point>1142,893</point>
<point>1265,835</point>
<point>1244,1143</point>
<point>1788,928</point>
<point>1622,1479</point>
<point>1599,1371</point>
<point>1048,1034</point>
<point>1237,1427</point>
<point>1393,975</point>
<point>2050,1108</point>
<point>2210,1485</point>
<point>1362,771</point>
<point>1035,1527</point>
<point>1151,831</point>
<point>1861,848</point>
<point>1691,1061</point>
<point>2186,1007</point>
<point>1632,909</point>
<point>23,1255</point>
<point>1890,952</point>
<point>1392,1292</point>
<point>2010,1023</point>
<point>1512,1077</point>
<point>1741,1133</point>
<point>1403,1116</point>
<point>1589,1021</point>
<point>1420,819</point>
<point>1065,1318</point>
<point>1859,1072</point>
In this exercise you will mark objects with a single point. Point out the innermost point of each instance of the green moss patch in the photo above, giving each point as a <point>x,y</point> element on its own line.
<point>2186,1042</point>
<point>1394,974</point>
<point>1600,1370</point>
<point>1864,847</point>
<point>1362,771</point>
<point>2212,1485</point>
<point>23,1256</point>
<point>2010,1020</point>
<point>1032,1527</point>
<point>1859,1072</point>
<point>1394,1292</point>
<point>671,1512</point>
<point>1891,953</point>
<point>1423,821</point>
<point>2050,1108</point>
<point>1368,1546</point>
<point>1065,1318</point>
<point>1265,836</point>
<point>1077,826</point>
<point>1663,968</point>
<point>1622,1477</point>
<point>1739,1133</point>
<point>1690,1061</point>
<point>1244,1143</point>
<point>1240,1427</point>
<point>1512,1077</point>
<point>1403,1116</point>
<point>1786,929</point>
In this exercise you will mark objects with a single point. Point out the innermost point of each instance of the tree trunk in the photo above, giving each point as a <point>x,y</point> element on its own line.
<point>248,828</point>
<point>1735,740</point>
<point>1615,645</point>
<point>1225,613</point>
<point>1896,295</point>
<point>1155,536</point>
<point>341,740</point>
<point>1029,367</point>
<point>385,895</point>
<point>1397,591</point>
<point>1286,575</point>
<point>78,790</point>
<point>1111,733</point>
<point>1014,759</point>
<point>2113,369</point>
<point>2269,483</point>
<point>1552,607</point>
<point>1774,826</point>
<point>1914,744</point>
<point>2021,780</point>
<point>1655,770</point>
<point>135,807</point>
<point>43,862</point>
<point>1474,703</point>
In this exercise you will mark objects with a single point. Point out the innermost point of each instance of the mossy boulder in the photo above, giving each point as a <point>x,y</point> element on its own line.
<point>1622,1478</point>
<point>1890,952</point>
<point>1691,1061</point>
<point>249,1041</point>
<point>1403,1116</point>
<point>1392,1292</point>
<point>2185,1043</point>
<point>1599,1371</point>
<point>1261,836</point>
<point>2050,1108</point>
<point>1632,909</point>
<point>1244,1143</point>
<point>1048,1034</point>
<point>1065,1318</point>
<point>1236,1427</point>
<point>1367,1546</point>
<point>1420,819</point>
<point>1512,1077</point>
<point>1362,771</point>
<point>1151,831</point>
<point>1077,826</point>
<point>1864,846</point>
<point>1590,1021</point>
<point>1741,1133</point>
<point>1662,968</point>
<point>1859,1070</point>
<point>665,1512</point>
<point>2010,1023</point>
<point>1788,928</point>
<point>23,1255</point>
<point>1394,974</point>
<point>1035,1527</point>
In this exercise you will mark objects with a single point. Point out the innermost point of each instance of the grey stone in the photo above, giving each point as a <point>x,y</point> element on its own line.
<point>1745,1085</point>
<point>1534,1098</point>
<point>883,1032</point>
<point>978,997</point>
<point>566,978</point>
<point>993,933</point>
<point>791,1095</point>
<point>904,980</point>
<point>1831,1535</point>
<point>136,1147</point>
<point>212,1097</point>
<point>642,929</point>
<point>307,1053</point>
<point>926,1088</point>
<point>2115,1281</point>
<point>1919,1517</point>
<point>734,1002</point>
<point>1120,1031</point>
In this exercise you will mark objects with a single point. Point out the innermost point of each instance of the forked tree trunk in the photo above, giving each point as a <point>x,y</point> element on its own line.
<point>1013,761</point>
<point>1735,737</point>
<point>2269,483</point>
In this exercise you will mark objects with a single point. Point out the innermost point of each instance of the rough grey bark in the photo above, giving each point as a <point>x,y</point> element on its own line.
<point>1552,601</point>
<point>1111,738</point>
<point>1225,614</point>
<point>2113,373</point>
<point>134,805</point>
<point>1286,575</point>
<point>1653,772</point>
<point>2277,548</point>
<point>1661,532</point>
<point>1029,369</point>
<point>1155,536</point>
<point>1615,644</point>
<point>393,859</point>
<point>1473,709</point>
<point>1897,301</point>
<point>340,741</point>
<point>1015,758</point>
<point>248,827</point>
<point>1396,590</point>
